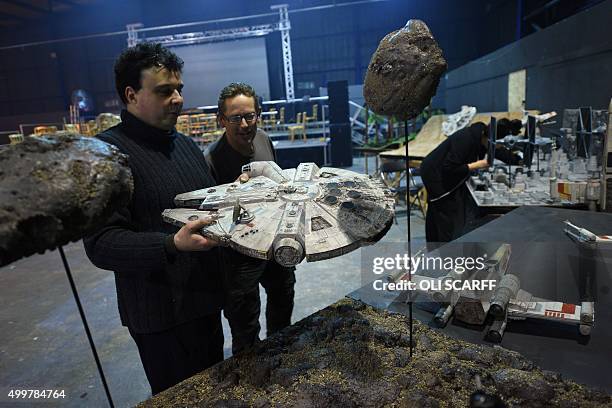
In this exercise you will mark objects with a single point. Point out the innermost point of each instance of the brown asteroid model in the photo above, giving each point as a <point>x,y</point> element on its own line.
<point>56,189</point>
<point>352,355</point>
<point>404,72</point>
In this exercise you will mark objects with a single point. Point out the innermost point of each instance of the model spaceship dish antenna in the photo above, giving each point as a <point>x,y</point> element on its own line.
<point>291,214</point>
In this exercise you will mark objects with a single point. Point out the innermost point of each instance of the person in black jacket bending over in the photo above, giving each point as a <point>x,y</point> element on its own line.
<point>445,170</point>
<point>168,281</point>
<point>242,143</point>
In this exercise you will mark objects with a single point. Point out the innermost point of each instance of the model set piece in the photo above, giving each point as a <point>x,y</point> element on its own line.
<point>459,120</point>
<point>56,189</point>
<point>584,236</point>
<point>353,355</point>
<point>291,214</point>
<point>498,303</point>
<point>569,175</point>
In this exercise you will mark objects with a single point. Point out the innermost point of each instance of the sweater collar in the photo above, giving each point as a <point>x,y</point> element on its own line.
<point>136,128</point>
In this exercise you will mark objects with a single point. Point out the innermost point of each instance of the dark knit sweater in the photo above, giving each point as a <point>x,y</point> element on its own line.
<point>446,167</point>
<point>156,288</point>
<point>226,163</point>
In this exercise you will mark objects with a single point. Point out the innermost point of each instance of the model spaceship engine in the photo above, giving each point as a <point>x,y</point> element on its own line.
<point>291,214</point>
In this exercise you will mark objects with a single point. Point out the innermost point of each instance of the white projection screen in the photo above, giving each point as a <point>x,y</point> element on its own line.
<point>209,67</point>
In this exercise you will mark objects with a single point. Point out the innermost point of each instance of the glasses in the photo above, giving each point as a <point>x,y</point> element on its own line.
<point>237,119</point>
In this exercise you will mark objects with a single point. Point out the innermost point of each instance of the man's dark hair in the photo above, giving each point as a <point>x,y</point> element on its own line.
<point>507,127</point>
<point>134,60</point>
<point>235,89</point>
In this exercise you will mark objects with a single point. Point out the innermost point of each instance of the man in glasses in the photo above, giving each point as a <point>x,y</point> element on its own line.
<point>241,144</point>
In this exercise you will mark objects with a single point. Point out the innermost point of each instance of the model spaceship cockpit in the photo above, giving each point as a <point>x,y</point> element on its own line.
<point>291,214</point>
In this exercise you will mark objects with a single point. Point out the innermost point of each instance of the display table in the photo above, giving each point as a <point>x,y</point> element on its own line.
<point>550,266</point>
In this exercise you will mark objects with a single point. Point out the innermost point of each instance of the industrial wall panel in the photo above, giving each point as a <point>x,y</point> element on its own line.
<point>487,95</point>
<point>209,67</point>
<point>568,65</point>
<point>4,92</point>
<point>585,81</point>
<point>101,76</point>
<point>53,105</point>
<point>49,82</point>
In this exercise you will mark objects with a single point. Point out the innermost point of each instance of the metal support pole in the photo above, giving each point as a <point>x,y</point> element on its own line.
<point>519,20</point>
<point>408,227</point>
<point>84,320</point>
<point>365,138</point>
<point>284,26</point>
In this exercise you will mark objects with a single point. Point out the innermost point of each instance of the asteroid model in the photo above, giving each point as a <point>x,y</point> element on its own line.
<point>56,189</point>
<point>353,355</point>
<point>291,214</point>
<point>404,72</point>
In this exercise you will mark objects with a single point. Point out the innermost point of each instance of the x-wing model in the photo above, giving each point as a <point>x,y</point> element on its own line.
<point>584,236</point>
<point>291,214</point>
<point>504,301</point>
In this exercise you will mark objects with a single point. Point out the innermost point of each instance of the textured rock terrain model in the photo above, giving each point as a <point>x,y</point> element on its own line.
<point>53,190</point>
<point>351,355</point>
<point>404,72</point>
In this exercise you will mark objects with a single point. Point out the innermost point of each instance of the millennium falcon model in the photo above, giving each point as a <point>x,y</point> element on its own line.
<point>291,214</point>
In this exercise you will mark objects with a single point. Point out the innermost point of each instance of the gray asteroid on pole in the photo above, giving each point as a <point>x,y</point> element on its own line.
<point>404,72</point>
<point>57,189</point>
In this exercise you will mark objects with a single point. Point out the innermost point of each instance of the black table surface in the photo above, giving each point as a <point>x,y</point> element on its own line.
<point>550,266</point>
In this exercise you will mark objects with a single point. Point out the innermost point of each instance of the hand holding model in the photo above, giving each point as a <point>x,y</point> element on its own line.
<point>188,238</point>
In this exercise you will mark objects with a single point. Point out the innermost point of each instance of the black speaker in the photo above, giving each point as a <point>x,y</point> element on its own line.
<point>338,101</point>
<point>341,145</point>
<point>291,156</point>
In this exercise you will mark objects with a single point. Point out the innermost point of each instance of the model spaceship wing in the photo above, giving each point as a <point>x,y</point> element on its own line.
<point>362,208</point>
<point>324,239</point>
<point>218,228</point>
<point>255,236</point>
<point>525,305</point>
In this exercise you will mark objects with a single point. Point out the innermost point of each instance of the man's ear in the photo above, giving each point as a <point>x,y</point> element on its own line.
<point>220,120</point>
<point>130,95</point>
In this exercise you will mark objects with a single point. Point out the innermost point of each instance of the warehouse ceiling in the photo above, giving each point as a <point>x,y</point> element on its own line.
<point>15,13</point>
<point>535,14</point>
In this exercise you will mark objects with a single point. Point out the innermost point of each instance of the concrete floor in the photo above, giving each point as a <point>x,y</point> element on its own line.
<point>43,344</point>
